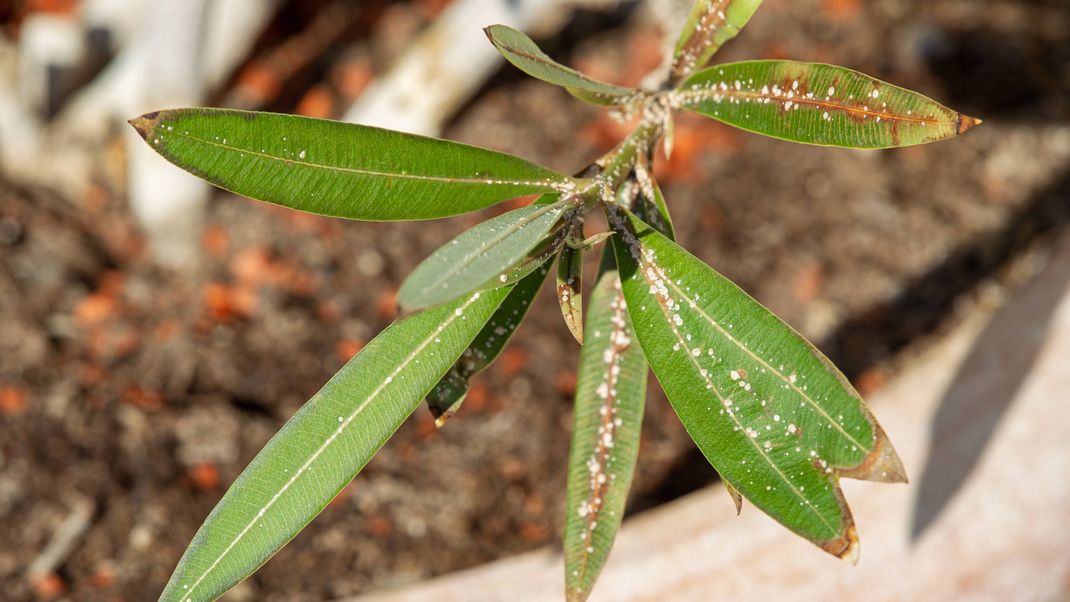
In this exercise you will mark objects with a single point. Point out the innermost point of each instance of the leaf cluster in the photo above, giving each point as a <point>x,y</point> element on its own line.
<point>773,416</point>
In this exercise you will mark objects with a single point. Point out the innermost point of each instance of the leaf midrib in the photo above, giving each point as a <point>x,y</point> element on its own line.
<point>562,184</point>
<point>451,317</point>
<point>707,94</point>
<point>600,448</point>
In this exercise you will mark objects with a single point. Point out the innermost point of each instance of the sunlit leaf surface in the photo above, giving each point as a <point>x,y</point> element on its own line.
<point>821,104</point>
<point>773,416</point>
<point>323,446</point>
<point>478,256</point>
<point>710,24</point>
<point>340,169</point>
<point>522,52</point>
<point>610,392</point>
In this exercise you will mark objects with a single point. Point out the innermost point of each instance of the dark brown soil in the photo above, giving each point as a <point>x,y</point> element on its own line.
<point>141,393</point>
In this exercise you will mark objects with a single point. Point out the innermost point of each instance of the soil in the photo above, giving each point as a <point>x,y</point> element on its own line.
<point>130,396</point>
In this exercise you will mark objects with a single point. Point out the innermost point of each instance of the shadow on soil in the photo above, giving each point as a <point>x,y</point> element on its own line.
<point>986,384</point>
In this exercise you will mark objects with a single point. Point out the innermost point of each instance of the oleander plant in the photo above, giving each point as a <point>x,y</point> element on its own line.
<point>774,417</point>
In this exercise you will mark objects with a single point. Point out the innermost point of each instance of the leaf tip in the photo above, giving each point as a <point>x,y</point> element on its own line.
<point>846,546</point>
<point>737,498</point>
<point>489,32</point>
<point>145,124</point>
<point>853,547</point>
<point>441,419</point>
<point>966,123</point>
<point>881,464</point>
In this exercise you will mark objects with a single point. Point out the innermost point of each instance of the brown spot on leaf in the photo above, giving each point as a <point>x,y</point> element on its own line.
<point>896,140</point>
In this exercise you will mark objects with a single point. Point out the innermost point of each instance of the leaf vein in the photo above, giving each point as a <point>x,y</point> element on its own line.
<point>565,184</point>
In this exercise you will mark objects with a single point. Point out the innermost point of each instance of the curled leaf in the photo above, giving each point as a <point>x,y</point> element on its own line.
<point>522,52</point>
<point>737,499</point>
<point>570,287</point>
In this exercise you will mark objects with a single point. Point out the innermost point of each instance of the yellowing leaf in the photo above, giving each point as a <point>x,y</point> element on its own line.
<point>820,104</point>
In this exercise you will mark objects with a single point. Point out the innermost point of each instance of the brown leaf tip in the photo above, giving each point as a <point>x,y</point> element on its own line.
<point>845,547</point>
<point>145,124</point>
<point>881,464</point>
<point>967,123</point>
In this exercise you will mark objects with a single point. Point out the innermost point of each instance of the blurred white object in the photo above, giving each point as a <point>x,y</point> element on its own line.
<point>171,53</point>
<point>48,45</point>
<point>445,66</point>
<point>188,46</point>
<point>168,202</point>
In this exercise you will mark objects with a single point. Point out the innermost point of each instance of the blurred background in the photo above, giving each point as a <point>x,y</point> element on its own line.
<point>155,332</point>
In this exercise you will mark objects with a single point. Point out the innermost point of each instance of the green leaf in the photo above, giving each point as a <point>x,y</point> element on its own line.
<point>447,396</point>
<point>522,52</point>
<point>324,445</point>
<point>773,415</point>
<point>710,24</point>
<point>340,169</point>
<point>610,392</point>
<point>570,284</point>
<point>820,104</point>
<point>478,256</point>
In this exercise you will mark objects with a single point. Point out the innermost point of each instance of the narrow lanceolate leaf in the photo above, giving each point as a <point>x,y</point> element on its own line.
<point>710,24</point>
<point>478,256</point>
<point>820,104</point>
<point>324,445</point>
<point>610,393</point>
<point>522,52</point>
<point>570,288</point>
<point>773,416</point>
<point>447,396</point>
<point>340,169</point>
